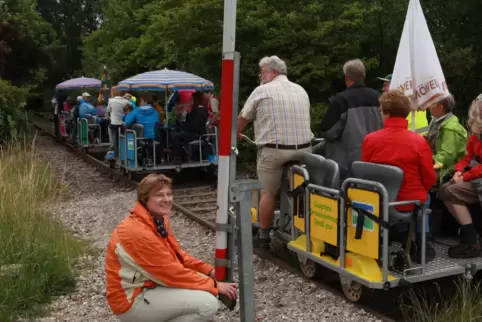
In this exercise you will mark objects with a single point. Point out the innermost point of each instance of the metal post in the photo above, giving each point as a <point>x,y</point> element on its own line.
<point>240,194</point>
<point>224,173</point>
<point>234,118</point>
<point>234,141</point>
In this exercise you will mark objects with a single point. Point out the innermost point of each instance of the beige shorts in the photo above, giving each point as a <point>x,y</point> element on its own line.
<point>463,193</point>
<point>270,167</point>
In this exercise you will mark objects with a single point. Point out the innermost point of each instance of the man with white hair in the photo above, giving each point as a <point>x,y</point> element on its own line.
<point>351,115</point>
<point>280,110</point>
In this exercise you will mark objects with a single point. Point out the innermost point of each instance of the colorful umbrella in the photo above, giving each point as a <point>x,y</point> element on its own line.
<point>79,83</point>
<point>165,79</point>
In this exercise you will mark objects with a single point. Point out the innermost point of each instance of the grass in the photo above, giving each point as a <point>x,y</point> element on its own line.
<point>36,252</point>
<point>459,304</point>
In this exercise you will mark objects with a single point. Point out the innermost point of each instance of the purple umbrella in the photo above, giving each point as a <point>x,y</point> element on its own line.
<point>79,83</point>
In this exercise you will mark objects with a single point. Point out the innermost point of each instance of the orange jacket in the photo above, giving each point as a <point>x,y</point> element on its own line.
<point>138,257</point>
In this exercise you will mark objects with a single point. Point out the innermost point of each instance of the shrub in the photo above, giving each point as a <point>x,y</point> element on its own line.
<point>13,117</point>
<point>36,252</point>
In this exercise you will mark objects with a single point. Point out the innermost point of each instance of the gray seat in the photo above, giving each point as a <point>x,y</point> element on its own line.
<point>314,166</point>
<point>330,175</point>
<point>139,129</point>
<point>319,148</point>
<point>391,178</point>
<point>90,119</point>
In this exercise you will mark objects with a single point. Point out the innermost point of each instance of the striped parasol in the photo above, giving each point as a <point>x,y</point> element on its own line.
<point>79,83</point>
<point>106,86</point>
<point>165,79</point>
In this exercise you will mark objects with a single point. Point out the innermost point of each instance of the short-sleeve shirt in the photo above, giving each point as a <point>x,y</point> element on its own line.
<point>280,111</point>
<point>214,105</point>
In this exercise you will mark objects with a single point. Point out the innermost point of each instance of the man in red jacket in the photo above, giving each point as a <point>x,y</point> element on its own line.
<point>397,146</point>
<point>461,191</point>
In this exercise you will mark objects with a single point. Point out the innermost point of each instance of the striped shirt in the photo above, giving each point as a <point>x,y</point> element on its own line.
<point>280,110</point>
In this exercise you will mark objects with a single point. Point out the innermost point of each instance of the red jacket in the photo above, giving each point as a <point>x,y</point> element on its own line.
<point>396,145</point>
<point>474,150</point>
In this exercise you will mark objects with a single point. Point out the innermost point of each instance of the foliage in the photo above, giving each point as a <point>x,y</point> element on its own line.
<point>36,252</point>
<point>72,20</point>
<point>25,49</point>
<point>13,118</point>
<point>461,305</point>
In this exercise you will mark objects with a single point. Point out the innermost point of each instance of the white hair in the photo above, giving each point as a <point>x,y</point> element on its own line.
<point>354,70</point>
<point>475,116</point>
<point>274,63</point>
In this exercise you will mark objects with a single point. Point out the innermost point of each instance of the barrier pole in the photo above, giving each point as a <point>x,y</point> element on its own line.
<point>225,130</point>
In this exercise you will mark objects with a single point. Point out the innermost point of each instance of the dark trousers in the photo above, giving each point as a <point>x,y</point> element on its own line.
<point>181,140</point>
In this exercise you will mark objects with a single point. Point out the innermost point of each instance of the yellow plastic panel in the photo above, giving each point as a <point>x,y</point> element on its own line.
<point>364,268</point>
<point>299,222</point>
<point>254,215</point>
<point>368,245</point>
<point>324,219</point>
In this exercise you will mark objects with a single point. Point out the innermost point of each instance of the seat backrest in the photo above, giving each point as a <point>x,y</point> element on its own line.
<point>330,176</point>
<point>390,177</point>
<point>313,164</point>
<point>139,129</point>
<point>319,148</point>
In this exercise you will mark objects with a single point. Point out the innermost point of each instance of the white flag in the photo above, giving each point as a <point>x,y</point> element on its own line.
<point>417,68</point>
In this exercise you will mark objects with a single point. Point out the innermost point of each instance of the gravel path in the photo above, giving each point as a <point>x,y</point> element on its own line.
<point>94,213</point>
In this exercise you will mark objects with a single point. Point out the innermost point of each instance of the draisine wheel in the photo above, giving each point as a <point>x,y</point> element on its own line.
<point>308,267</point>
<point>130,175</point>
<point>354,291</point>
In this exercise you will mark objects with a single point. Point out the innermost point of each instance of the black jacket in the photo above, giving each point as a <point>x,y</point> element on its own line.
<point>351,115</point>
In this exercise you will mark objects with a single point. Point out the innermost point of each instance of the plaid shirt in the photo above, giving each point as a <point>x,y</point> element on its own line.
<point>280,110</point>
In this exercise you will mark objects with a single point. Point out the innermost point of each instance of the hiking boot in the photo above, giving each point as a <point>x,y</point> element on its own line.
<point>464,250</point>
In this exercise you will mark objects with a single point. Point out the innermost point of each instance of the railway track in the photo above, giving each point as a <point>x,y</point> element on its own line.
<point>197,201</point>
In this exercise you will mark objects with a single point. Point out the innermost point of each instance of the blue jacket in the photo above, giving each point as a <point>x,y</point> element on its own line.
<point>86,107</point>
<point>146,115</point>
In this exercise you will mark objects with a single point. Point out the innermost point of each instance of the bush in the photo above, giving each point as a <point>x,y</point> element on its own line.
<point>36,252</point>
<point>13,117</point>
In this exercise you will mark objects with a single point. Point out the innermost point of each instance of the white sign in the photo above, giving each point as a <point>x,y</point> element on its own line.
<point>417,69</point>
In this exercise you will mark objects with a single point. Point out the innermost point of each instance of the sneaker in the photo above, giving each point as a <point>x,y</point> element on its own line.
<point>464,250</point>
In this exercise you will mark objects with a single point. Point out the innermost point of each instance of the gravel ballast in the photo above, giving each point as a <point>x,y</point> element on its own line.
<point>97,207</point>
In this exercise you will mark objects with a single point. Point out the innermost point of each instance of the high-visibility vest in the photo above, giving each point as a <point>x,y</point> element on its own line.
<point>421,122</point>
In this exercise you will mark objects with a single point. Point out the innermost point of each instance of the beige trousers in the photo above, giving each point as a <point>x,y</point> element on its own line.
<point>172,305</point>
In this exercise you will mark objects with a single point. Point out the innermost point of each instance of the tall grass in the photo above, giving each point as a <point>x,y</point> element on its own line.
<point>36,252</point>
<point>461,303</point>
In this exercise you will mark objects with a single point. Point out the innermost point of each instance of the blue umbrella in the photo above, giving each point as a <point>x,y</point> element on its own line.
<point>165,79</point>
<point>79,83</point>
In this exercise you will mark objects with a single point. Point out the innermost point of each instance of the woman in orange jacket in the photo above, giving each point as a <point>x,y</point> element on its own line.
<point>149,276</point>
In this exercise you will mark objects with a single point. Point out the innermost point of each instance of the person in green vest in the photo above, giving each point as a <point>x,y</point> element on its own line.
<point>421,121</point>
<point>446,136</point>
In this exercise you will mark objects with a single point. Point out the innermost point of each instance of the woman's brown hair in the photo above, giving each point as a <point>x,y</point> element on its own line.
<point>152,181</point>
<point>148,99</point>
<point>395,103</point>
